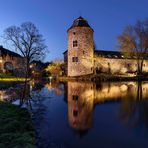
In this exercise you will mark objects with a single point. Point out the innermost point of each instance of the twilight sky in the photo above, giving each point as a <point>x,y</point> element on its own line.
<point>54,17</point>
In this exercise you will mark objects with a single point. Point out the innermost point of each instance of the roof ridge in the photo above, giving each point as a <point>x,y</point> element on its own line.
<point>6,51</point>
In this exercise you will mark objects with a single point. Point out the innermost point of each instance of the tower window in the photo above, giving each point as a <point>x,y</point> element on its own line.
<point>75,113</point>
<point>74,33</point>
<point>143,65</point>
<point>75,97</point>
<point>75,43</point>
<point>74,59</point>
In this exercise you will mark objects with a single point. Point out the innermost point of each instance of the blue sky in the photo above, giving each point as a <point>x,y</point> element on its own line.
<point>54,17</point>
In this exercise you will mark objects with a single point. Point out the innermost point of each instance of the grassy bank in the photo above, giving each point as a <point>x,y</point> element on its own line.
<point>12,79</point>
<point>9,77</point>
<point>15,127</point>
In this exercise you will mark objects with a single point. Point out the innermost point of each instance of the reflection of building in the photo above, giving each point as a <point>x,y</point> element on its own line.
<point>55,86</point>
<point>81,58</point>
<point>10,61</point>
<point>80,105</point>
<point>8,95</point>
<point>82,97</point>
<point>3,95</point>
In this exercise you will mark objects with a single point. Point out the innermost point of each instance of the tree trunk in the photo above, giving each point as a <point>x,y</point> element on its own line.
<point>24,91</point>
<point>142,66</point>
<point>139,91</point>
<point>138,67</point>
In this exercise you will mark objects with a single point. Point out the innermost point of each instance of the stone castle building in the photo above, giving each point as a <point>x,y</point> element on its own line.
<point>10,62</point>
<point>82,58</point>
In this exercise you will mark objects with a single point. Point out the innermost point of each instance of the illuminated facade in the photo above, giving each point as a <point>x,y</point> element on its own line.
<point>10,61</point>
<point>81,58</point>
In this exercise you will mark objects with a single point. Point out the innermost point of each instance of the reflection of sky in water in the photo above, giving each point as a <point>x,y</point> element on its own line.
<point>77,114</point>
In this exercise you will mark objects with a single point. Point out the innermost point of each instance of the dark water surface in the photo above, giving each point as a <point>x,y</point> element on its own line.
<point>90,115</point>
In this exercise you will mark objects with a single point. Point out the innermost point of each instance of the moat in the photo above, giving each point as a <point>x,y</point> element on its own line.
<point>85,114</point>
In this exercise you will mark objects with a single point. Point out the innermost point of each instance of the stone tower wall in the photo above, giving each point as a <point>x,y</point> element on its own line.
<point>84,51</point>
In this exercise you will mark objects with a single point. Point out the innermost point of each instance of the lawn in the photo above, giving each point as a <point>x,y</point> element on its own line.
<point>16,130</point>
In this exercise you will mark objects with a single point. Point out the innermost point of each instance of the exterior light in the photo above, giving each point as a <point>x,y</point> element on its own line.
<point>1,60</point>
<point>50,78</point>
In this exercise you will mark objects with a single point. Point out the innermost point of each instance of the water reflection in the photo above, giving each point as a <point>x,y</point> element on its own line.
<point>80,105</point>
<point>9,91</point>
<point>82,97</point>
<point>134,108</point>
<point>56,87</point>
<point>93,110</point>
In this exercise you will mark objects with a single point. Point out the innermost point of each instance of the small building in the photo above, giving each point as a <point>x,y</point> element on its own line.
<point>10,62</point>
<point>81,57</point>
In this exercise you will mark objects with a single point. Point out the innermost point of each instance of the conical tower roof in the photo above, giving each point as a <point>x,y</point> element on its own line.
<point>80,22</point>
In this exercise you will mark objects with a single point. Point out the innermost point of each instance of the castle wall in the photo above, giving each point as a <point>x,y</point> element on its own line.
<point>117,66</point>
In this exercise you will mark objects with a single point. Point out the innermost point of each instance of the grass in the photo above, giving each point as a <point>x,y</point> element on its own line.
<point>4,75</point>
<point>16,129</point>
<point>9,77</point>
<point>13,79</point>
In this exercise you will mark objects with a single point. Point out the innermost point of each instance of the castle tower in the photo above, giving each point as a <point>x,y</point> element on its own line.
<point>80,48</point>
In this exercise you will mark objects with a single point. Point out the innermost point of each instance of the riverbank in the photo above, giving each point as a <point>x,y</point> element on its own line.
<point>13,79</point>
<point>9,77</point>
<point>105,77</point>
<point>16,128</point>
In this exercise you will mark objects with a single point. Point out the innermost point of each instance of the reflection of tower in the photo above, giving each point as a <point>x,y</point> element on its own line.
<point>80,105</point>
<point>80,48</point>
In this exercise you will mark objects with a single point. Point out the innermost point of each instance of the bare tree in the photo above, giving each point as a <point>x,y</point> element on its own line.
<point>27,41</point>
<point>134,42</point>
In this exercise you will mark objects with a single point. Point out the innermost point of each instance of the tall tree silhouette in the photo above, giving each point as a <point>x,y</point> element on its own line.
<point>27,41</point>
<point>134,42</point>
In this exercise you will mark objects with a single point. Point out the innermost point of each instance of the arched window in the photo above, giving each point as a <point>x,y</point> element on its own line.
<point>8,66</point>
<point>75,43</point>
